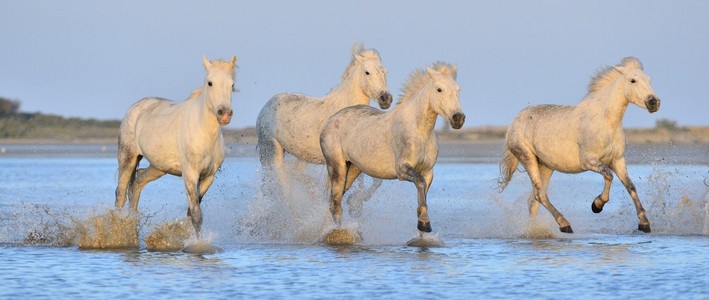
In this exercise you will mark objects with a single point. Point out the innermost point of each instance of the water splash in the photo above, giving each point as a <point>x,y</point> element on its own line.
<point>110,230</point>
<point>296,217</point>
<point>676,208</point>
<point>169,236</point>
<point>46,227</point>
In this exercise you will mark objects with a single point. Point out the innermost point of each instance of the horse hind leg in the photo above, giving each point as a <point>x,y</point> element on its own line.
<point>127,164</point>
<point>545,176</point>
<point>142,177</point>
<point>272,157</point>
<point>336,182</point>
<point>534,170</point>
<point>359,195</point>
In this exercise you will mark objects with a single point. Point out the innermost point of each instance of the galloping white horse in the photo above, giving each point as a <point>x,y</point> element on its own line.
<point>585,137</point>
<point>292,122</point>
<point>181,139</point>
<point>399,144</point>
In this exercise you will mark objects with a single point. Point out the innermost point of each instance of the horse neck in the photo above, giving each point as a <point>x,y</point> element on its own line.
<point>417,110</point>
<point>201,118</point>
<point>614,104</point>
<point>347,93</point>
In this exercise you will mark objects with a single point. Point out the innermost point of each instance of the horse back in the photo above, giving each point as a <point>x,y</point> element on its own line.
<point>294,121</point>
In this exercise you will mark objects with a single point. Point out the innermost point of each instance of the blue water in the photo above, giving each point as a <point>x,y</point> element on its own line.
<point>272,249</point>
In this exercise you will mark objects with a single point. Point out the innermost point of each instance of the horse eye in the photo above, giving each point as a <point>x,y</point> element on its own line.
<point>209,83</point>
<point>366,72</point>
<point>632,80</point>
<point>440,90</point>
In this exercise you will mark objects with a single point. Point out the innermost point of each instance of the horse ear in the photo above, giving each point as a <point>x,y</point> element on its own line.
<point>620,70</point>
<point>431,71</point>
<point>358,57</point>
<point>233,61</point>
<point>454,70</point>
<point>206,62</point>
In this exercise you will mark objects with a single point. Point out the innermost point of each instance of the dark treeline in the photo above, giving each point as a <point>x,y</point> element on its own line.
<point>22,125</point>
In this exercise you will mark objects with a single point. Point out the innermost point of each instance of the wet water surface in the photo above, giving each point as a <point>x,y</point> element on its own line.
<point>56,219</point>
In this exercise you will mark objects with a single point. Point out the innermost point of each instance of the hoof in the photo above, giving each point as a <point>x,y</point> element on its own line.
<point>594,208</point>
<point>566,229</point>
<point>644,228</point>
<point>424,227</point>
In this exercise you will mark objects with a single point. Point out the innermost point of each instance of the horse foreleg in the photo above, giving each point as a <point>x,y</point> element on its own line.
<point>601,199</point>
<point>531,164</point>
<point>204,184</point>
<point>407,172</point>
<point>142,177</point>
<point>194,212</point>
<point>621,170</point>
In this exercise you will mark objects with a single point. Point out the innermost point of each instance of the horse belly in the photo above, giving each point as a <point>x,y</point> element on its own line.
<point>379,166</point>
<point>561,156</point>
<point>306,147</point>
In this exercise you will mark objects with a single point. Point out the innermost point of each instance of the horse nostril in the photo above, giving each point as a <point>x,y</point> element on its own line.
<point>385,99</point>
<point>458,120</point>
<point>225,111</point>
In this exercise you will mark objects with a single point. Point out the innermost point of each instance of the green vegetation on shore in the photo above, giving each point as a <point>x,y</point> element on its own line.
<point>21,126</point>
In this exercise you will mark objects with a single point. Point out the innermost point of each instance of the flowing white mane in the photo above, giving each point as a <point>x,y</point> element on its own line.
<point>419,77</point>
<point>606,75</point>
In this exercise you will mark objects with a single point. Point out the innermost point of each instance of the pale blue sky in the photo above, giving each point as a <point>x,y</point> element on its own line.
<point>95,58</point>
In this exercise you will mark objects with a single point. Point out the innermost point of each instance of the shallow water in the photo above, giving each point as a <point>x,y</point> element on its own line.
<point>272,249</point>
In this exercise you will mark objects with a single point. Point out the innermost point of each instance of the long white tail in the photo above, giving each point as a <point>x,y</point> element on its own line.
<point>508,166</point>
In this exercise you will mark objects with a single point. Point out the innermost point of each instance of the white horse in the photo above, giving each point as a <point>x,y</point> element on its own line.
<point>181,139</point>
<point>399,144</point>
<point>292,122</point>
<point>585,137</point>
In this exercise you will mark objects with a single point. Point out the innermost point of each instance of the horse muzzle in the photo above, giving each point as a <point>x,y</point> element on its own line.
<point>457,120</point>
<point>224,116</point>
<point>652,103</point>
<point>384,100</point>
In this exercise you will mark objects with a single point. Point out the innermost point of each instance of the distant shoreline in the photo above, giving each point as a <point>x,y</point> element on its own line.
<point>457,151</point>
<point>689,135</point>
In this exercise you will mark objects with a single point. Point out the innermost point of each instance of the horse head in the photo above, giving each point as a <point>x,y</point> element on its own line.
<point>444,93</point>
<point>372,76</point>
<point>637,85</point>
<point>218,88</point>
